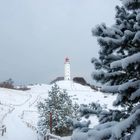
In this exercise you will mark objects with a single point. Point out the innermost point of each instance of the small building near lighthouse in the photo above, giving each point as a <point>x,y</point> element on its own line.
<point>67,69</point>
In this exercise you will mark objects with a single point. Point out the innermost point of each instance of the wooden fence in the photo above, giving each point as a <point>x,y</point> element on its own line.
<point>51,136</point>
<point>3,130</point>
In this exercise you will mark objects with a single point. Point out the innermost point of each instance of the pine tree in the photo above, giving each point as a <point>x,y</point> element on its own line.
<point>118,65</point>
<point>118,68</point>
<point>131,4</point>
<point>119,61</point>
<point>60,106</point>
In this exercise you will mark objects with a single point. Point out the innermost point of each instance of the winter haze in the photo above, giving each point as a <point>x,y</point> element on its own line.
<point>36,36</point>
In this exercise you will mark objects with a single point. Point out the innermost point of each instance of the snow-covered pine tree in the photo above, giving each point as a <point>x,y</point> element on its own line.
<point>131,4</point>
<point>60,106</point>
<point>119,61</point>
<point>118,65</point>
<point>118,68</point>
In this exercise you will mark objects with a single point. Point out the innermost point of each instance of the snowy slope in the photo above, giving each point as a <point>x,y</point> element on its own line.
<point>14,97</point>
<point>25,111</point>
<point>79,93</point>
<point>84,94</point>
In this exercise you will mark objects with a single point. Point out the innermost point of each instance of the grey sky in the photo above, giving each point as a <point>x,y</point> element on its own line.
<point>36,36</point>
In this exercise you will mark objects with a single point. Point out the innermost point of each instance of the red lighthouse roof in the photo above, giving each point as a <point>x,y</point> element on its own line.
<point>66,59</point>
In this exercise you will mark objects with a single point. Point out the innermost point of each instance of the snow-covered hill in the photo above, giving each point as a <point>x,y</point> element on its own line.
<point>24,108</point>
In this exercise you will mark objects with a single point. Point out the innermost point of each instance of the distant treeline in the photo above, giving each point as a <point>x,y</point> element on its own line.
<point>10,85</point>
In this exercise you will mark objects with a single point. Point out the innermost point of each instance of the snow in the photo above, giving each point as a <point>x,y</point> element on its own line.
<point>113,74</point>
<point>138,17</point>
<point>85,95</point>
<point>4,110</point>
<point>30,116</point>
<point>16,130</point>
<point>130,3</point>
<point>136,135</point>
<point>111,129</point>
<point>132,84</point>
<point>93,120</point>
<point>110,89</point>
<point>122,89</point>
<point>124,125</point>
<point>137,37</point>
<point>25,110</point>
<point>135,94</point>
<point>135,58</point>
<point>17,98</point>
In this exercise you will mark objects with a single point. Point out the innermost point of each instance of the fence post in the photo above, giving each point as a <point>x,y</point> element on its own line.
<point>48,137</point>
<point>51,122</point>
<point>3,130</point>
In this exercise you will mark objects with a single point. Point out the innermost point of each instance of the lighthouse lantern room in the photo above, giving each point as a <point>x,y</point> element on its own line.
<point>67,69</point>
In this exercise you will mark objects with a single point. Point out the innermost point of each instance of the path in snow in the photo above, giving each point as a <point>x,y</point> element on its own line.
<point>16,129</point>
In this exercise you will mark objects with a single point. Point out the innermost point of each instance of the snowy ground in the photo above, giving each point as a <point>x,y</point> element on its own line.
<point>22,120</point>
<point>4,110</point>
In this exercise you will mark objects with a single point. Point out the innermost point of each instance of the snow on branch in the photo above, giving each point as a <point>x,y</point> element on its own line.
<point>136,134</point>
<point>108,41</point>
<point>113,74</point>
<point>129,84</point>
<point>113,130</point>
<point>124,63</point>
<point>126,124</point>
<point>110,89</point>
<point>121,88</point>
<point>135,94</point>
<point>118,100</point>
<point>131,4</point>
<point>105,125</point>
<point>136,37</point>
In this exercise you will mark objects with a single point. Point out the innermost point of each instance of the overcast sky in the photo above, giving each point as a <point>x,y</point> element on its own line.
<point>36,36</point>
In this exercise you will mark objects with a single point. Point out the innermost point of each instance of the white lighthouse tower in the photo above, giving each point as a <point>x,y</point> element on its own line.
<point>67,69</point>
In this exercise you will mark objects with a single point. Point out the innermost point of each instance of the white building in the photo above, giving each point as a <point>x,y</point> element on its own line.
<point>67,69</point>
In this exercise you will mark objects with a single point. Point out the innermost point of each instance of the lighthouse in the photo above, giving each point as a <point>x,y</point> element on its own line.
<point>67,69</point>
